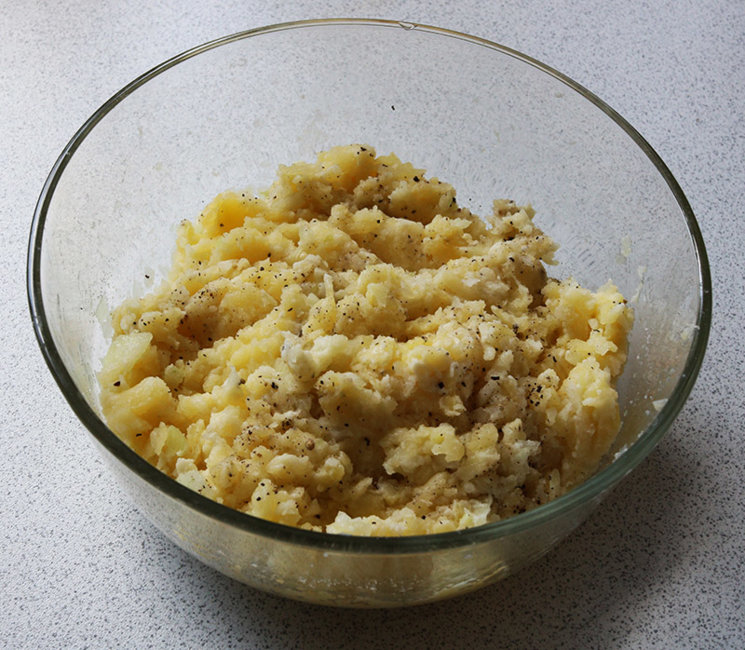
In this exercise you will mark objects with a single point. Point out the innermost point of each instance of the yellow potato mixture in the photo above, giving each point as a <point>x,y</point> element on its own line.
<point>353,352</point>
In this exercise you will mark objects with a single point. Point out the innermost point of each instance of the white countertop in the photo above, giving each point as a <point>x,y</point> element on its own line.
<point>660,564</point>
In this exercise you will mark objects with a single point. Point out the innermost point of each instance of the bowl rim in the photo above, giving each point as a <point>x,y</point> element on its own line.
<point>590,490</point>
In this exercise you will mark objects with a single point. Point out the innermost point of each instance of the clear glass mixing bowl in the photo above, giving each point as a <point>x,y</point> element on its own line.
<point>491,121</point>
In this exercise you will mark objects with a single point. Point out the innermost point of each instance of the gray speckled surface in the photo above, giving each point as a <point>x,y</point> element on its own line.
<point>661,564</point>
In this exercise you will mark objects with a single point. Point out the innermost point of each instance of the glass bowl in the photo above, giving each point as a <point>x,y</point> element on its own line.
<point>487,119</point>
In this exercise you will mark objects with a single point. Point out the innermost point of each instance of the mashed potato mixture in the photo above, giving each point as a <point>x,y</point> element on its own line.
<point>353,352</point>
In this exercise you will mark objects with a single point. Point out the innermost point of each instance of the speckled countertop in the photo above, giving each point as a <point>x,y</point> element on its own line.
<point>661,564</point>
